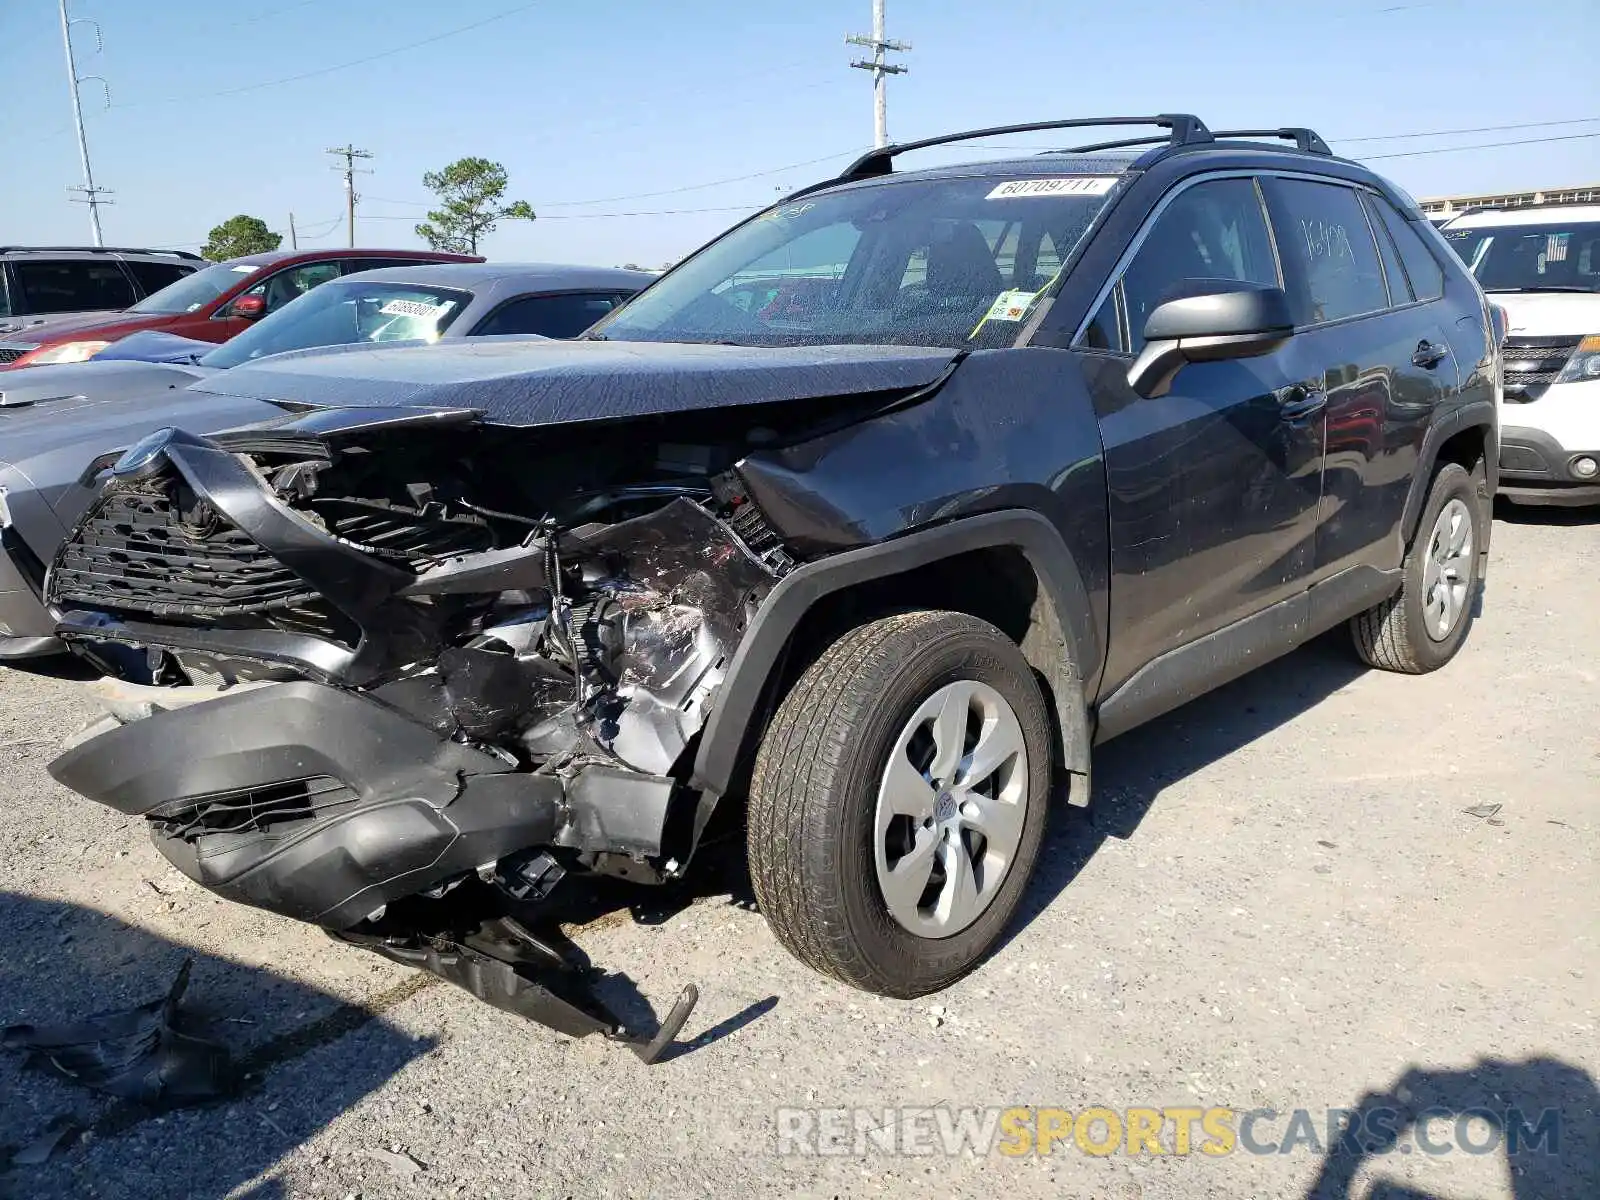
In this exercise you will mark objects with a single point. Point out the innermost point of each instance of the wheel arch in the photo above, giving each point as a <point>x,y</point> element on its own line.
<point>1030,588</point>
<point>1463,436</point>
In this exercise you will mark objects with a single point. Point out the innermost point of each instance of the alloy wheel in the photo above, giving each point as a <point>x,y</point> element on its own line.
<point>951,809</point>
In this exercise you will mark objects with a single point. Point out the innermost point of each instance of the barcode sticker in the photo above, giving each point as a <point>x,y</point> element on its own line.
<point>1076,185</point>
<point>416,308</point>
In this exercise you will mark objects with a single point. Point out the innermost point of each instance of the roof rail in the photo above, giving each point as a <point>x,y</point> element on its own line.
<point>1184,130</point>
<point>103,250</point>
<point>1122,144</point>
<point>1306,140</point>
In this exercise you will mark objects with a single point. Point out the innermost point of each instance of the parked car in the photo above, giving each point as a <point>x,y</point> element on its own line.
<point>1542,265</point>
<point>38,282</point>
<point>54,420</point>
<point>1040,457</point>
<point>211,305</point>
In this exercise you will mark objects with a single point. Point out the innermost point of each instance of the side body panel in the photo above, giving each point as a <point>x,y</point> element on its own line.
<point>1213,495</point>
<point>1379,407</point>
<point>1012,429</point>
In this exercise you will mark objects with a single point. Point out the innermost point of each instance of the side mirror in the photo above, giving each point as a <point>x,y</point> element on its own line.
<point>249,308</point>
<point>1221,319</point>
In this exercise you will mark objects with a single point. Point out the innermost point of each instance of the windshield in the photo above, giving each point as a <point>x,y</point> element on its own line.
<point>1521,258</point>
<point>342,313</point>
<point>194,291</point>
<point>924,262</point>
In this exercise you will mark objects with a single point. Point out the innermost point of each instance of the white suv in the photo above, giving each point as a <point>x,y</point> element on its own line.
<point>1542,265</point>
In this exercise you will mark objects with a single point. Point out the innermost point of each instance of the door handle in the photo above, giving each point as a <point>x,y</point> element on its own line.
<point>1302,401</point>
<point>1428,355</point>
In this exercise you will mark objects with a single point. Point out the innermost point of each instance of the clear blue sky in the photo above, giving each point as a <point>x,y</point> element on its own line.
<point>625,98</point>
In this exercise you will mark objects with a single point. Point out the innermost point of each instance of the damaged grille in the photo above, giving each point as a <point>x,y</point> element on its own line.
<point>398,534</point>
<point>159,550</point>
<point>140,551</point>
<point>750,526</point>
<point>251,811</point>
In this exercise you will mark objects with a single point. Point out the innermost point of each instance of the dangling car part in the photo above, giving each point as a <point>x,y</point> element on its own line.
<point>874,515</point>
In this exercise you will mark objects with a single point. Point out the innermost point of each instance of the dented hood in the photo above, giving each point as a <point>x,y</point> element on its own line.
<point>526,383</point>
<point>45,447</point>
<point>96,382</point>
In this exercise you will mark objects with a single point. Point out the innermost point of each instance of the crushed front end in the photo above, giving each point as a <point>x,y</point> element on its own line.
<point>397,676</point>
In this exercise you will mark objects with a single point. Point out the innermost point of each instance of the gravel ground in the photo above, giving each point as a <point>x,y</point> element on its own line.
<point>1277,902</point>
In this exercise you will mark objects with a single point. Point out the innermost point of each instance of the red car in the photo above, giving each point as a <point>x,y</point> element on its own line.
<point>212,305</point>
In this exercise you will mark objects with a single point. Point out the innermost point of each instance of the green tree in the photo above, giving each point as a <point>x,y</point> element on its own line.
<point>472,200</point>
<point>240,235</point>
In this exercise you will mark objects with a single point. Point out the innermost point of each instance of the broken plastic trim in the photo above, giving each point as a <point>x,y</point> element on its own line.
<point>136,1054</point>
<point>540,986</point>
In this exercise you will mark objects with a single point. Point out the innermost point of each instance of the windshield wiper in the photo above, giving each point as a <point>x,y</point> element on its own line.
<point>1542,287</point>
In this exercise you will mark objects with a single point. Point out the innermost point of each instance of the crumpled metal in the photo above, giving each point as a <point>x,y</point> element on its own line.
<point>136,1054</point>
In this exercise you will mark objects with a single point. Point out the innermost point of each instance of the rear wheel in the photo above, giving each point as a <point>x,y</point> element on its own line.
<point>1422,626</point>
<point>898,802</point>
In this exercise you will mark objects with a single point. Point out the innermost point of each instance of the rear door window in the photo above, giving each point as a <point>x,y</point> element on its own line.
<point>1422,269</point>
<point>72,285</point>
<point>153,276</point>
<point>1399,287</point>
<point>1329,255</point>
<point>561,316</point>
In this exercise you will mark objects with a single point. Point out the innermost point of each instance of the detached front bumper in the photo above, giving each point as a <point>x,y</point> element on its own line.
<point>326,806</point>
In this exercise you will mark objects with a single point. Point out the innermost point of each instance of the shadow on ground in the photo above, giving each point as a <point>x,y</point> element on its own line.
<point>1541,514</point>
<point>1540,1115</point>
<point>55,666</point>
<point>1131,771</point>
<point>307,1057</point>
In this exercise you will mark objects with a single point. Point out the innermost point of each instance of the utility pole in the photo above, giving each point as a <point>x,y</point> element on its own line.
<point>881,70</point>
<point>294,241</point>
<point>91,194</point>
<point>349,153</point>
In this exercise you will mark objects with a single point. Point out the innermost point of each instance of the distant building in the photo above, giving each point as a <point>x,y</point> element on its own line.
<point>1440,206</point>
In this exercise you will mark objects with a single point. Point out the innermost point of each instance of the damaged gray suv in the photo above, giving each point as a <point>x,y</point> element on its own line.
<point>861,527</point>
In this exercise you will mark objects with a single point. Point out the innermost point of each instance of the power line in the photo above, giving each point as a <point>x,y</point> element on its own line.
<point>1386,137</point>
<point>1397,137</point>
<point>994,146</point>
<point>677,191</point>
<point>881,70</point>
<point>321,229</point>
<point>269,14</point>
<point>747,208</point>
<point>660,212</point>
<point>1569,137</point>
<point>357,62</point>
<point>696,187</point>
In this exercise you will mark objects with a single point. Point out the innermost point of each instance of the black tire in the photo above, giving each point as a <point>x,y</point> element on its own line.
<point>1394,635</point>
<point>813,798</point>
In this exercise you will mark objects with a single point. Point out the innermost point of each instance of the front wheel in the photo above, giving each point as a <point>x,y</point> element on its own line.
<point>1422,626</point>
<point>898,802</point>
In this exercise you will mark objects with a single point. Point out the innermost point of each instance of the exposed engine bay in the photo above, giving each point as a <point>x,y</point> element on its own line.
<point>418,669</point>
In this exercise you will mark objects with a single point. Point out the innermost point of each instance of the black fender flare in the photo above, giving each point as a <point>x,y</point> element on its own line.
<point>761,651</point>
<point>1464,416</point>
